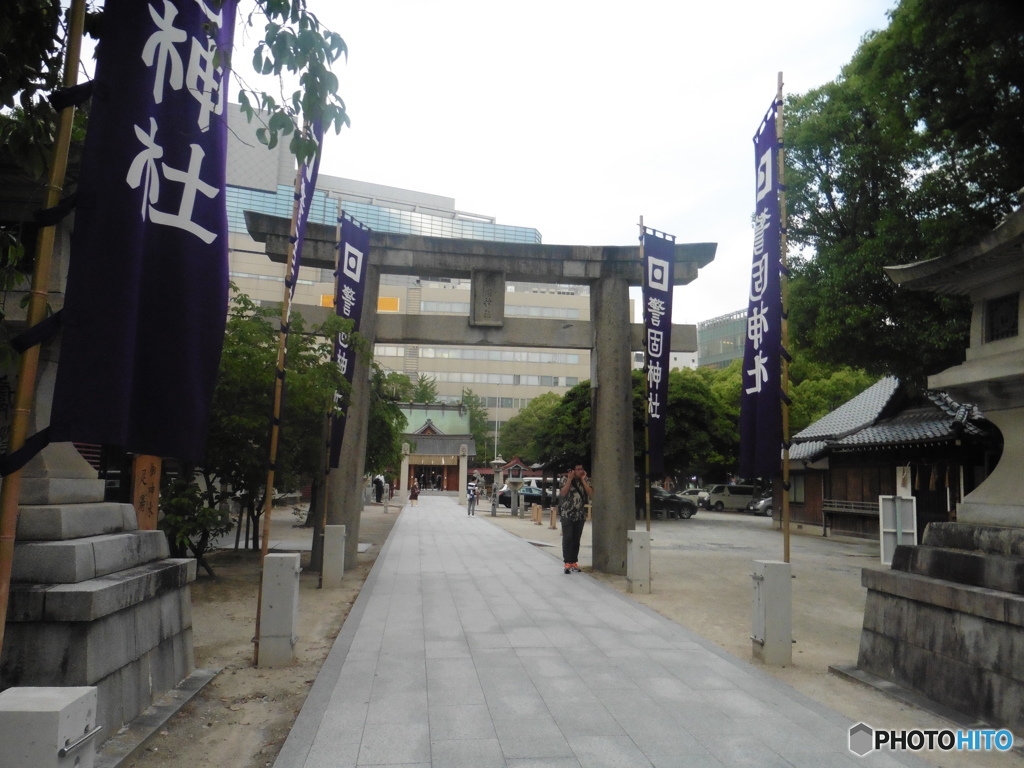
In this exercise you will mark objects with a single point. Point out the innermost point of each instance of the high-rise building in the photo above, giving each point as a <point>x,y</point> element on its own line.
<point>506,378</point>
<point>720,340</point>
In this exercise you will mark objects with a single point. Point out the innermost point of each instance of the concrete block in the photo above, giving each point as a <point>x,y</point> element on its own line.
<point>638,562</point>
<point>772,634</point>
<point>116,553</point>
<point>74,521</point>
<point>38,491</point>
<point>93,599</point>
<point>44,727</point>
<point>334,556</point>
<point>52,562</point>
<point>279,610</point>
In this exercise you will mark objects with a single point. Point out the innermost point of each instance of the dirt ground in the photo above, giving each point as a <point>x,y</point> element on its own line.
<point>701,579</point>
<point>242,717</point>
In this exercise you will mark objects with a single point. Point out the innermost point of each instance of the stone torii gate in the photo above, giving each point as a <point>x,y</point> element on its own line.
<point>609,271</point>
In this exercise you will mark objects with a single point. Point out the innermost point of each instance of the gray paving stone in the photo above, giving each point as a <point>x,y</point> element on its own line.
<point>467,753</point>
<point>465,649</point>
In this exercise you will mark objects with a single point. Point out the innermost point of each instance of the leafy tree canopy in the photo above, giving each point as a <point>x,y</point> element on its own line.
<point>386,423</point>
<point>523,435</point>
<point>237,446</point>
<point>424,390</point>
<point>477,424</point>
<point>912,152</point>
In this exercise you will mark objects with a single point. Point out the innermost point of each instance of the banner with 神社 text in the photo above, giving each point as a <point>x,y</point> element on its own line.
<point>659,256</point>
<point>761,393</point>
<point>146,301</point>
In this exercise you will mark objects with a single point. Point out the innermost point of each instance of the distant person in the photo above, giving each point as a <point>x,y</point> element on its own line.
<point>378,488</point>
<point>414,493</point>
<point>572,513</point>
<point>471,499</point>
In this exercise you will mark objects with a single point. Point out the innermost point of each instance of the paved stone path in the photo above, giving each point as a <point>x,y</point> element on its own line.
<point>468,647</point>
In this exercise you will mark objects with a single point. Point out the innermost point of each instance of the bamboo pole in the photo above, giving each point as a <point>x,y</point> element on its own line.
<point>29,364</point>
<point>647,406</point>
<point>275,426</point>
<point>785,322</point>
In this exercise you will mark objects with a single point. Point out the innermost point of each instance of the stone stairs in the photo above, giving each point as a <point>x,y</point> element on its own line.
<point>948,620</point>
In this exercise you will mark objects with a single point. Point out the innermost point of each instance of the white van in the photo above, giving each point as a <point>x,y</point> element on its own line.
<point>735,497</point>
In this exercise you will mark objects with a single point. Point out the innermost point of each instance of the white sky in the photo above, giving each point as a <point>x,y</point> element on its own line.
<point>579,117</point>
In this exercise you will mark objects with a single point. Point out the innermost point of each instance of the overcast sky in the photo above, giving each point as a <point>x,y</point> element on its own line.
<point>579,117</point>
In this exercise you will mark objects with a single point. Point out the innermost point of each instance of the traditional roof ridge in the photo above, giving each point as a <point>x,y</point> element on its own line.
<point>853,415</point>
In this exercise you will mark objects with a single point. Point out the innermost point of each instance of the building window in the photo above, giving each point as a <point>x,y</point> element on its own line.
<point>796,489</point>
<point>1002,317</point>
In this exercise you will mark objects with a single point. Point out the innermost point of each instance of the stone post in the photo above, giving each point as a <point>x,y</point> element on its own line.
<point>612,419</point>
<point>463,473</point>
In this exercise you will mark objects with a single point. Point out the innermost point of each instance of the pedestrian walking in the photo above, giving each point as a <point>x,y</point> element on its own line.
<point>471,499</point>
<point>572,513</point>
<point>414,493</point>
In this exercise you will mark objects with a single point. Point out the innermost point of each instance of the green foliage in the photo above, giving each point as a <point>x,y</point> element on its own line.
<point>386,422</point>
<point>424,390</point>
<point>523,435</point>
<point>189,523</point>
<point>567,430</point>
<point>817,390</point>
<point>295,44</point>
<point>477,422</point>
<point>237,447</point>
<point>913,152</point>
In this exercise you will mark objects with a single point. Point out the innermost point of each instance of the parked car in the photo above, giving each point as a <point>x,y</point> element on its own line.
<point>697,495</point>
<point>762,504</point>
<point>527,495</point>
<point>666,504</point>
<point>721,497</point>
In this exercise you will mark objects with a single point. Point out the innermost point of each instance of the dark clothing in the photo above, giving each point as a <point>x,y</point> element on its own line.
<point>572,531</point>
<point>572,510</point>
<point>573,505</point>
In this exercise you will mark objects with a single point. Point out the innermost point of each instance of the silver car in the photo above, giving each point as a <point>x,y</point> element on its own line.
<point>762,505</point>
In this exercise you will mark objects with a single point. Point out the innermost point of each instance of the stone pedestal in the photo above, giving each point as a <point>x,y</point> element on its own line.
<point>948,620</point>
<point>48,727</point>
<point>94,601</point>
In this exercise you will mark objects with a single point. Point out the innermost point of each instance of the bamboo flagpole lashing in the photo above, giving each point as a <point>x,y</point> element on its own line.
<point>29,364</point>
<point>784,284</point>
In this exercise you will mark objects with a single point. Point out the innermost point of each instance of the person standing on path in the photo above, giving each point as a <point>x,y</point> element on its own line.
<point>414,493</point>
<point>572,512</point>
<point>471,499</point>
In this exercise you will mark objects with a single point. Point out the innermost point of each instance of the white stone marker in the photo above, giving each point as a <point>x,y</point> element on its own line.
<point>638,562</point>
<point>334,556</point>
<point>279,610</point>
<point>48,727</point>
<point>772,634</point>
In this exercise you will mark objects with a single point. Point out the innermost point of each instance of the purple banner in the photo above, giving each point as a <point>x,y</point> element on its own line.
<point>659,256</point>
<point>760,399</point>
<point>147,287</point>
<point>304,198</point>
<point>353,251</point>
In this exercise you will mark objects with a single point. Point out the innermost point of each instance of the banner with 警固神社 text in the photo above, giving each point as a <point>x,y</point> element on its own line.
<point>761,392</point>
<point>659,256</point>
<point>353,251</point>
<point>147,287</point>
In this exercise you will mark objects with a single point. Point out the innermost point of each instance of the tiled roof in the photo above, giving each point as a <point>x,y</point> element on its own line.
<point>808,451</point>
<point>855,414</point>
<point>858,424</point>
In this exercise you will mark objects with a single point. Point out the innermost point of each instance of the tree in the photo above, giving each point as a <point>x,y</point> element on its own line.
<point>567,430</point>
<point>386,423</point>
<point>523,435</point>
<point>816,390</point>
<point>913,151</point>
<point>424,390</point>
<point>477,421</point>
<point>237,446</point>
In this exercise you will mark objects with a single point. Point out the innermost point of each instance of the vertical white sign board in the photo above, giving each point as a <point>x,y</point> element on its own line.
<point>897,524</point>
